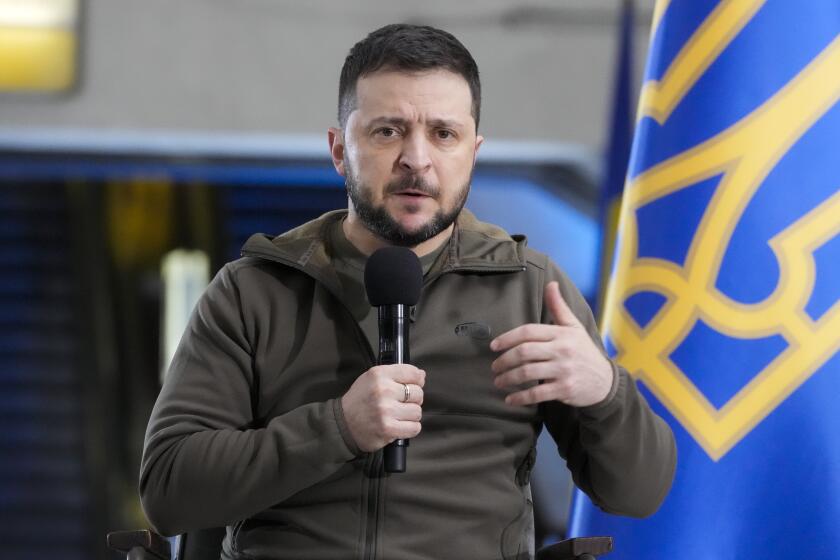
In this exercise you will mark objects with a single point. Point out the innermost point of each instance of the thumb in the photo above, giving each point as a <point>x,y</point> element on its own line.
<point>558,307</point>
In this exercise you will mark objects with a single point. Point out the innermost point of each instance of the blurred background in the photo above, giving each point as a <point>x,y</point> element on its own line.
<point>142,142</point>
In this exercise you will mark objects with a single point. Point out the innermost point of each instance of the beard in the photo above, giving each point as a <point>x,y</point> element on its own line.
<point>379,222</point>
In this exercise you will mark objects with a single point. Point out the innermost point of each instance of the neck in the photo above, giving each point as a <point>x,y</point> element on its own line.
<point>366,242</point>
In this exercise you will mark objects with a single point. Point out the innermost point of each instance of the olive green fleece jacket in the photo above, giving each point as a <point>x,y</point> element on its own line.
<point>248,430</point>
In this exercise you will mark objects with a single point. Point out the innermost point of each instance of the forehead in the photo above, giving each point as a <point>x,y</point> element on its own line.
<point>435,93</point>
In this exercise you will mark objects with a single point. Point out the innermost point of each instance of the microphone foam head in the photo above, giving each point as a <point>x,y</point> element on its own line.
<point>393,275</point>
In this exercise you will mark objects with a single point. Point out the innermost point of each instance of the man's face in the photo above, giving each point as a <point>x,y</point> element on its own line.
<point>407,153</point>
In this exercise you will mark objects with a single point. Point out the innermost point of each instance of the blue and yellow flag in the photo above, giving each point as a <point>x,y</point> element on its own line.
<point>725,298</point>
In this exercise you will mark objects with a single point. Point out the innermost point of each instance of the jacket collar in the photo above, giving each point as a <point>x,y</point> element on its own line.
<point>474,246</point>
<point>477,245</point>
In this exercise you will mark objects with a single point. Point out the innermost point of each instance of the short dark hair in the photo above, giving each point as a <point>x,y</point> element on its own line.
<point>406,48</point>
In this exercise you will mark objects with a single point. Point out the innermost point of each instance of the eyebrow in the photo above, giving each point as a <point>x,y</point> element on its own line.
<point>399,121</point>
<point>394,121</point>
<point>445,123</point>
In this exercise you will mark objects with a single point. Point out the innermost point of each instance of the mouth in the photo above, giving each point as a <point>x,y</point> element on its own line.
<point>413,193</point>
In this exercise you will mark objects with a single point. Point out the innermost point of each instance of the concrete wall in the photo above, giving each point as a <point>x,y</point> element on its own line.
<point>272,66</point>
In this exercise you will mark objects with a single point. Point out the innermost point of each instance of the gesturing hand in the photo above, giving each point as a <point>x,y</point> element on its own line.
<point>561,357</point>
<point>375,408</point>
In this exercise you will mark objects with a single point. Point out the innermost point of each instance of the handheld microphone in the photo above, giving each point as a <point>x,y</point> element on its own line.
<point>393,281</point>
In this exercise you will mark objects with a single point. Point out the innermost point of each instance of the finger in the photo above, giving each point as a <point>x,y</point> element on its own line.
<point>524,333</point>
<point>558,307</point>
<point>404,373</point>
<point>403,429</point>
<point>536,371</point>
<point>531,395</point>
<point>522,354</point>
<point>414,393</point>
<point>408,412</point>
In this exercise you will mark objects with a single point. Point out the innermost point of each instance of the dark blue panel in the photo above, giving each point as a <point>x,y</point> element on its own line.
<point>36,313</point>
<point>63,526</point>
<point>28,282</point>
<point>35,199</point>
<point>15,255</point>
<point>267,200</point>
<point>16,227</point>
<point>44,495</point>
<point>40,402</point>
<point>43,478</point>
<point>272,210</point>
<point>27,463</point>
<point>23,342</point>
<point>33,170</point>
<point>33,434</point>
<point>18,370</point>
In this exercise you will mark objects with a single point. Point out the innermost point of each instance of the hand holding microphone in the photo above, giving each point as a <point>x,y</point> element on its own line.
<point>383,404</point>
<point>376,409</point>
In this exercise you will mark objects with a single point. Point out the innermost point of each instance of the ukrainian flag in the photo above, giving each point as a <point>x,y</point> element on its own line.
<point>725,297</point>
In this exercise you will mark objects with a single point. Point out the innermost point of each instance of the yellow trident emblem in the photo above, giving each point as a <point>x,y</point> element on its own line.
<point>743,155</point>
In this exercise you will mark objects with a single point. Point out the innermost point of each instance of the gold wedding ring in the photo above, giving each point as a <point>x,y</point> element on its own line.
<point>407,394</point>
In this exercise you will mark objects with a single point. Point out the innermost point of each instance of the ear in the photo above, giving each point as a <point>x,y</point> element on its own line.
<point>479,140</point>
<point>335,137</point>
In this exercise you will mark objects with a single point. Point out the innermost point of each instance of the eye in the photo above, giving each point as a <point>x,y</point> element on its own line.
<point>386,132</point>
<point>445,134</point>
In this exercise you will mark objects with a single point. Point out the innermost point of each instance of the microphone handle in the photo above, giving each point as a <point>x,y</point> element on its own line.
<point>393,349</point>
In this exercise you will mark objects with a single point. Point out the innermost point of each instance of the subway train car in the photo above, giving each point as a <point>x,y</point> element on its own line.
<point>93,226</point>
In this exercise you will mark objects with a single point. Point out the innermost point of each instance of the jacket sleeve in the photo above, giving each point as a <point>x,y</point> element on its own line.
<point>620,453</point>
<point>204,465</point>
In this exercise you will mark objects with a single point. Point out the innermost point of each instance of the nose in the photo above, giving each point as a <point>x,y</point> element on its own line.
<point>415,156</point>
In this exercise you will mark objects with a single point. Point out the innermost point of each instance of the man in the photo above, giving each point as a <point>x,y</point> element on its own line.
<point>273,415</point>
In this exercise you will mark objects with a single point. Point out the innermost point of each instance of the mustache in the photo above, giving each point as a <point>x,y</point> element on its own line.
<point>412,182</point>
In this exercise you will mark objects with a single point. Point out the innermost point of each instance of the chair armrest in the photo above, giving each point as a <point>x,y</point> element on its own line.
<point>155,547</point>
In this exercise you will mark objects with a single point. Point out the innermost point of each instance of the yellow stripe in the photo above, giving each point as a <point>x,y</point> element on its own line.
<point>608,251</point>
<point>659,98</point>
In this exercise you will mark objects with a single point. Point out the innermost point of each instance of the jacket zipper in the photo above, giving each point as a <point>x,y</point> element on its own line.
<point>373,467</point>
<point>374,474</point>
<point>374,464</point>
